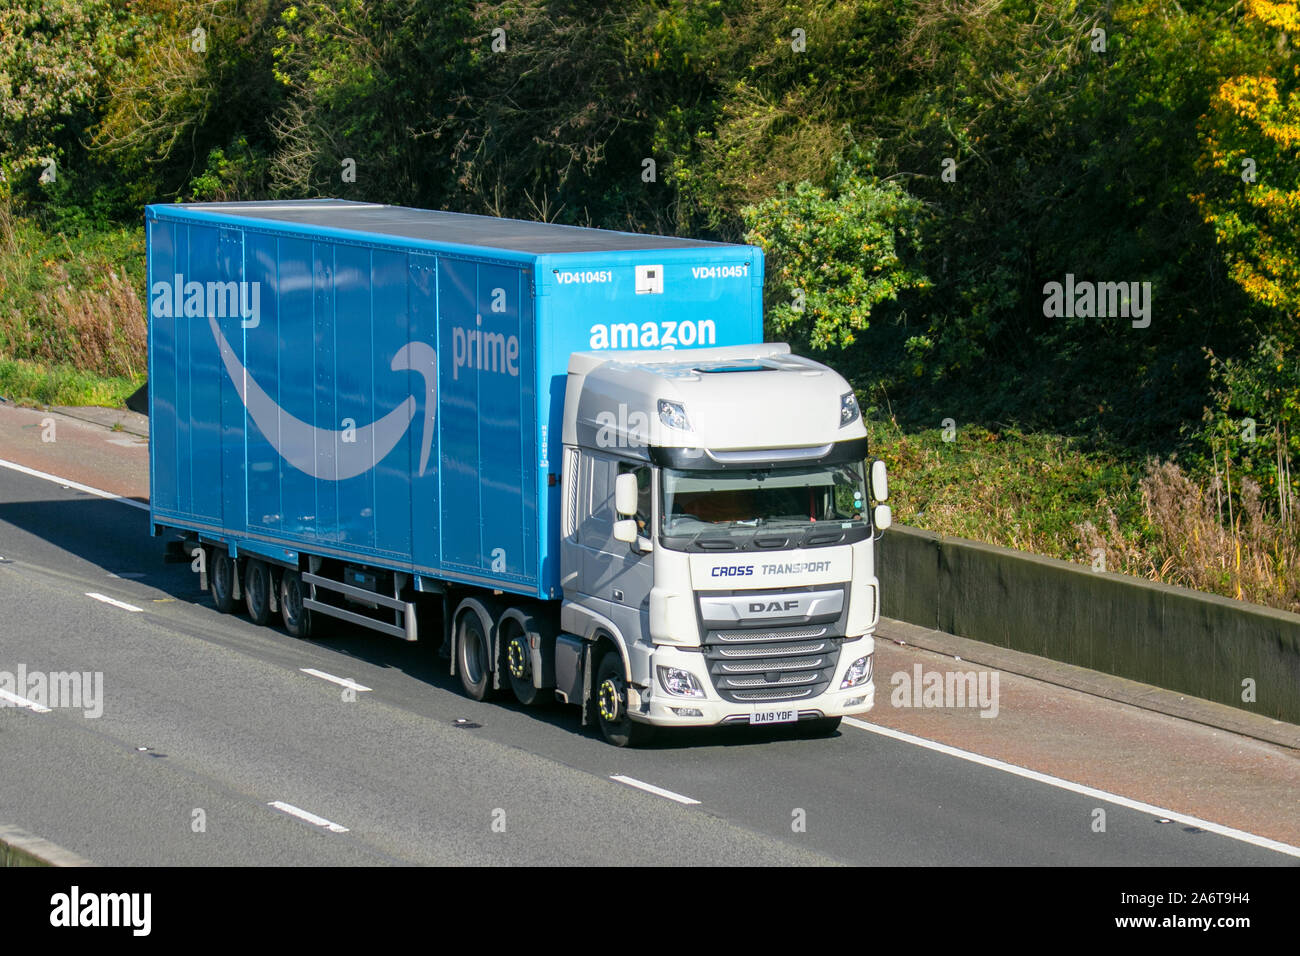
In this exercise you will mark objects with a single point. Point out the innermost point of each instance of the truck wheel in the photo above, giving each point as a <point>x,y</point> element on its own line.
<point>257,590</point>
<point>818,727</point>
<point>474,655</point>
<point>519,664</point>
<point>297,619</point>
<point>221,579</point>
<point>611,705</point>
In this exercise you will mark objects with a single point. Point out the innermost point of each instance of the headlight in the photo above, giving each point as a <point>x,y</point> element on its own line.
<point>673,414</point>
<point>848,408</point>
<point>859,672</point>
<point>678,682</point>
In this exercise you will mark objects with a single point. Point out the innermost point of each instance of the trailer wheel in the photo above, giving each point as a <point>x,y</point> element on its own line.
<point>297,619</point>
<point>474,655</point>
<point>257,590</point>
<point>519,664</point>
<point>221,579</point>
<point>611,705</point>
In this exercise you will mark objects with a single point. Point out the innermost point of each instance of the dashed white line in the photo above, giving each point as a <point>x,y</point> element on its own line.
<point>651,788</point>
<point>311,818</point>
<point>341,681</point>
<point>113,601</point>
<point>1078,788</point>
<point>66,483</point>
<point>17,701</point>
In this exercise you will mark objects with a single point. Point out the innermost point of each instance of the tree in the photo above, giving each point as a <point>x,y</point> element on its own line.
<point>834,254</point>
<point>1252,139</point>
<point>55,56</point>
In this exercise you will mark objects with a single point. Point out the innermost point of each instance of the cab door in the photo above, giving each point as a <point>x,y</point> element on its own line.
<point>615,578</point>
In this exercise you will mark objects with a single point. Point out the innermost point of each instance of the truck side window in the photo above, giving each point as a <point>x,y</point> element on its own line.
<point>643,498</point>
<point>599,505</point>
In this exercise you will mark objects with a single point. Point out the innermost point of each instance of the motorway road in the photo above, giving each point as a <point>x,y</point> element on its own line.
<point>207,712</point>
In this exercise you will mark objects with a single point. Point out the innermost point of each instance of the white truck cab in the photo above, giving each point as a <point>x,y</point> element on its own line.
<point>718,530</point>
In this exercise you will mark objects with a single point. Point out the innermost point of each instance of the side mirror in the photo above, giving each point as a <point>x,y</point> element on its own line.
<point>625,496</point>
<point>881,517</point>
<point>879,481</point>
<point>625,531</point>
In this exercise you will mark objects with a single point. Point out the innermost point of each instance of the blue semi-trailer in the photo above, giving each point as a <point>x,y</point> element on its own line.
<point>564,453</point>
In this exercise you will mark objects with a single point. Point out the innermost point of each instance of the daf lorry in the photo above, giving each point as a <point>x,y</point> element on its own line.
<point>564,454</point>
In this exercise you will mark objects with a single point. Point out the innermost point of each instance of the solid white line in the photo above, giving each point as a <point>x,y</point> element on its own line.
<point>341,681</point>
<point>116,603</point>
<point>23,702</point>
<point>1079,788</point>
<point>651,788</point>
<point>14,466</point>
<point>301,814</point>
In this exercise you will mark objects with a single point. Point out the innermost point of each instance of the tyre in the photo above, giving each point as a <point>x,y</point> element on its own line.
<point>474,654</point>
<point>610,692</point>
<point>257,590</point>
<point>221,579</point>
<point>519,664</point>
<point>296,618</point>
<point>818,727</point>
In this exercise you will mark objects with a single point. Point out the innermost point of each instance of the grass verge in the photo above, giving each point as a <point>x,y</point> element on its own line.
<point>31,383</point>
<point>1057,497</point>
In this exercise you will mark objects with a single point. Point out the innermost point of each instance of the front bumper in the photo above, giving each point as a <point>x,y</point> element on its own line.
<point>658,707</point>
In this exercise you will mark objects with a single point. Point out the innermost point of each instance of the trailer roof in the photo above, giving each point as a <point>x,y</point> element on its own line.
<point>449,227</point>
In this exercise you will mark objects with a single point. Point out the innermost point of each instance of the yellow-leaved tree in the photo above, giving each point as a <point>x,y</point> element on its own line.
<point>1252,137</point>
<point>1251,149</point>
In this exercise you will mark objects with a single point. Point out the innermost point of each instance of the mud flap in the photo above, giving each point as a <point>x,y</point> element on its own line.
<point>588,717</point>
<point>494,642</point>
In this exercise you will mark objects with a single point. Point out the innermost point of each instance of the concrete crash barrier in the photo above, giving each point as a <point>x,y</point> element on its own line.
<point>1171,637</point>
<point>20,848</point>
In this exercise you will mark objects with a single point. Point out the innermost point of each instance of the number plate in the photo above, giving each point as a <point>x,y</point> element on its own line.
<point>774,717</point>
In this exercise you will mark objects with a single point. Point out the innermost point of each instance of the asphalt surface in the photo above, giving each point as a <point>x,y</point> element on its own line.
<point>208,712</point>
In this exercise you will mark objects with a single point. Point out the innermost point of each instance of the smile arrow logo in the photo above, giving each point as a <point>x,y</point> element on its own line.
<point>320,452</point>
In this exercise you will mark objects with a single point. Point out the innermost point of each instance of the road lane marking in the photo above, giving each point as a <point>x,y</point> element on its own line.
<point>23,702</point>
<point>1138,805</point>
<point>341,681</point>
<point>113,601</point>
<point>311,818</point>
<point>67,483</point>
<point>651,788</point>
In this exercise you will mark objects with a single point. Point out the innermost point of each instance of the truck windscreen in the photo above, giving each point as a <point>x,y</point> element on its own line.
<point>775,499</point>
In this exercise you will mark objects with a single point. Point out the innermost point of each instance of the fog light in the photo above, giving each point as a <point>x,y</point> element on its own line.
<point>859,672</point>
<point>853,702</point>
<point>679,682</point>
<point>687,712</point>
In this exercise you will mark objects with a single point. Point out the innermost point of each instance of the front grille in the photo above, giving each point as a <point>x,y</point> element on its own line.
<point>769,650</point>
<point>751,667</point>
<point>742,696</point>
<point>778,665</point>
<point>785,634</point>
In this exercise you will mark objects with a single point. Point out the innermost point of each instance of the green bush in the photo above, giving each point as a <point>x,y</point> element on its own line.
<point>835,254</point>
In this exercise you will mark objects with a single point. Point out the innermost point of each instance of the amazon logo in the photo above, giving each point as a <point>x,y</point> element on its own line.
<point>337,455</point>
